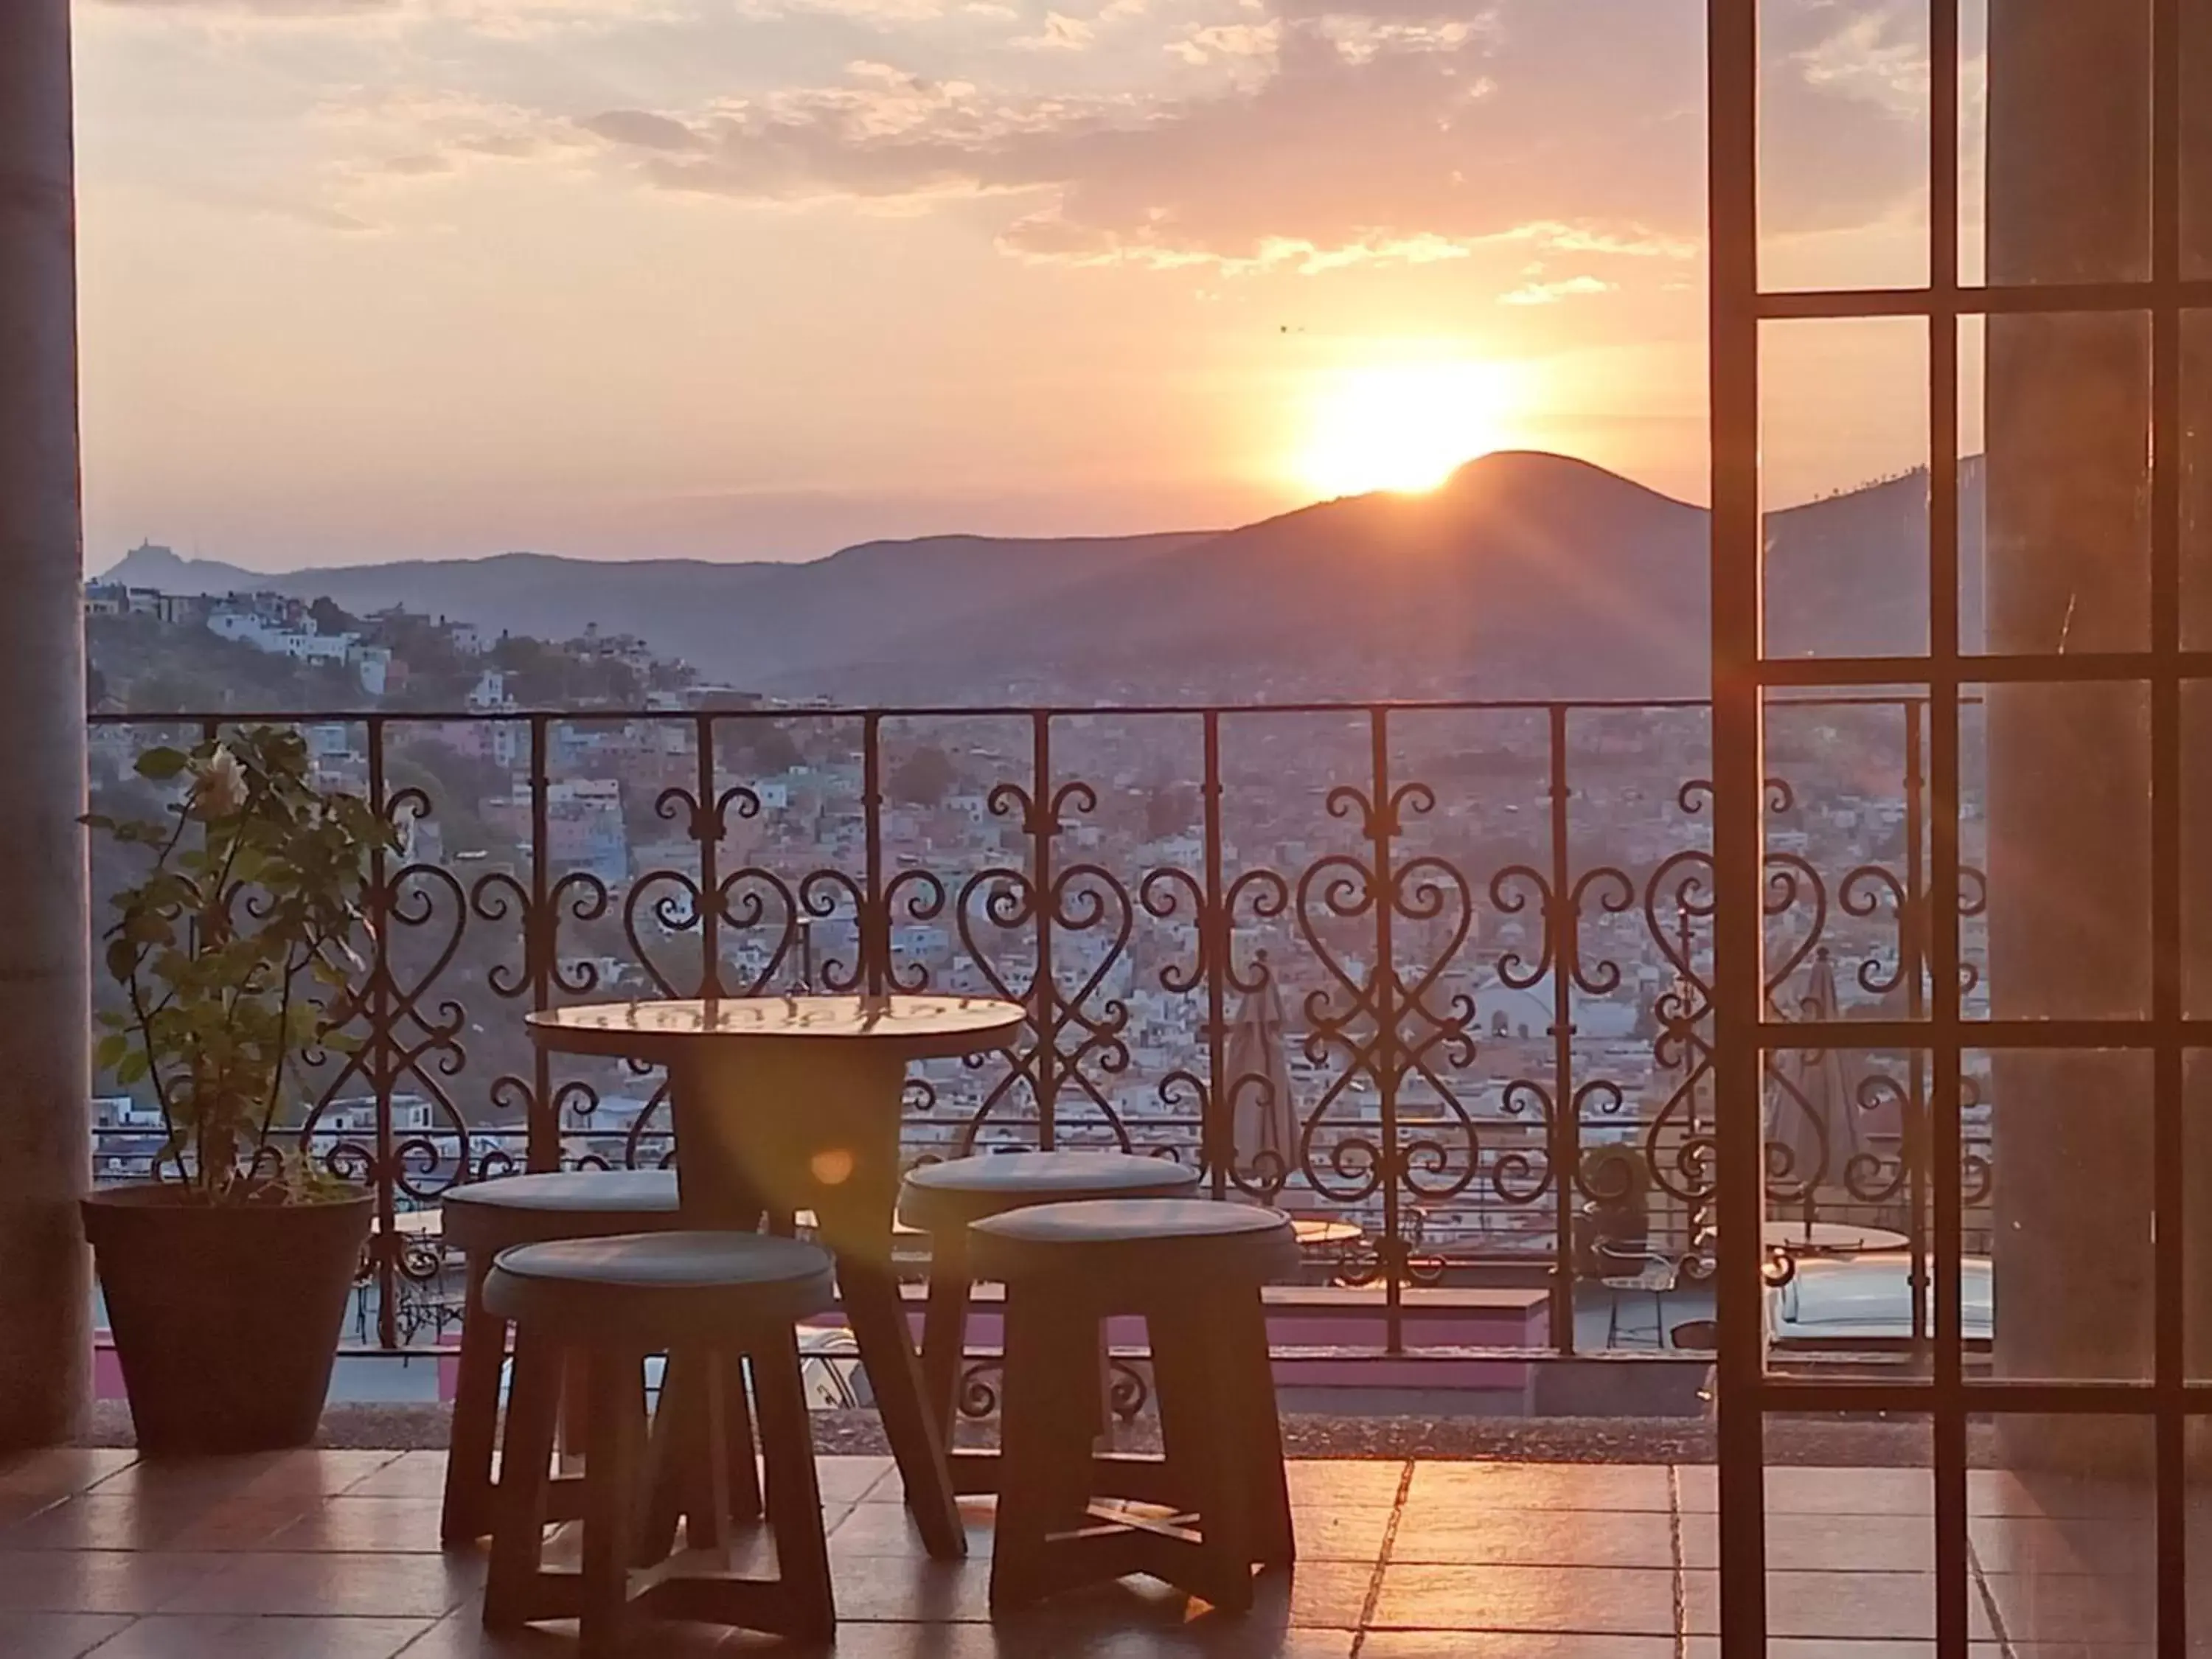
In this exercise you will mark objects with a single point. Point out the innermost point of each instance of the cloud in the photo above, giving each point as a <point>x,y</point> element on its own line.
<point>1060,33</point>
<point>275,204</point>
<point>500,19</point>
<point>1203,44</point>
<point>1880,57</point>
<point>1632,242</point>
<point>1243,134</point>
<point>877,11</point>
<point>1845,108</point>
<point>1391,133</point>
<point>391,138</point>
<point>262,8</point>
<point>1539,293</point>
<point>641,130</point>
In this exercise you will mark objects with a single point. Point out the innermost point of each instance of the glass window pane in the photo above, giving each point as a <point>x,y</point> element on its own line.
<point>2060,775</point>
<point>2069,1269</point>
<point>2063,1525</point>
<point>2054,526</point>
<point>1843,130</point>
<point>1844,441</point>
<point>2197,142</point>
<point>2196,480</point>
<point>2068,197</point>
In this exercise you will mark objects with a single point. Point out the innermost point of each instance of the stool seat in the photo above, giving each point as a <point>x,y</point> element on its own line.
<point>724,1307</point>
<point>530,1209</point>
<point>1193,1269</point>
<point>961,1190</point>
<point>664,1286</point>
<point>1135,1243</point>
<point>480,1218</point>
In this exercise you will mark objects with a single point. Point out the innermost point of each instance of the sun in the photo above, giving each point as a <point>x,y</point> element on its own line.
<point>1402,426</point>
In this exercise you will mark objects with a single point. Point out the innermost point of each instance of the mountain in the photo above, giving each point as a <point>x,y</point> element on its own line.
<point>1850,573</point>
<point>752,623</point>
<point>1523,575</point>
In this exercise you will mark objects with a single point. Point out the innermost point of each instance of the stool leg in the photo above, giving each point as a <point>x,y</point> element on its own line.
<point>1252,1399</point>
<point>1103,1423</point>
<point>684,1461</point>
<point>525,1458</point>
<point>794,1495</point>
<point>944,1327</point>
<point>1046,1425</point>
<point>743,1477</point>
<point>612,1457</point>
<point>467,1512</point>
<point>575,1411</point>
<point>1202,1430</point>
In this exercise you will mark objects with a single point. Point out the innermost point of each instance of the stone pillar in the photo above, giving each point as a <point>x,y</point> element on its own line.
<point>44,1274</point>
<point>2068,570</point>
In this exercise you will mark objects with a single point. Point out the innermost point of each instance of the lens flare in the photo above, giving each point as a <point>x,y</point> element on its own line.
<point>1403,426</point>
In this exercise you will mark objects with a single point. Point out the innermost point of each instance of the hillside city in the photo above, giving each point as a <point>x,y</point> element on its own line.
<point>456,763</point>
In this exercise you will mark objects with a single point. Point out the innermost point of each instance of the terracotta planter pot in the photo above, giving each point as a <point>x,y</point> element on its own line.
<point>226,1321</point>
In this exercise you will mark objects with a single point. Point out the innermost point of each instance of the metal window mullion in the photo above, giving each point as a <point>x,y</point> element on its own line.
<point>2039,299</point>
<point>2168,1134</point>
<point>1980,668</point>
<point>1739,942</point>
<point>1946,1155</point>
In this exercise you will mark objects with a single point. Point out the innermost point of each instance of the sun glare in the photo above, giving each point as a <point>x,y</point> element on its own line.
<point>1402,426</point>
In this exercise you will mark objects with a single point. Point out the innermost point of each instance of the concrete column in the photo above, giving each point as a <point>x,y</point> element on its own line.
<point>44,1274</point>
<point>2068,570</point>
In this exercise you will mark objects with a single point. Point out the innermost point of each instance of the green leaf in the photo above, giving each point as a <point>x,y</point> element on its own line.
<point>109,1051</point>
<point>159,765</point>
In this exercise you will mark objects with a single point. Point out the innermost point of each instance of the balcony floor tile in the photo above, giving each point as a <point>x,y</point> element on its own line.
<point>1623,1602</point>
<point>57,1635</point>
<point>336,1555</point>
<point>169,1636</point>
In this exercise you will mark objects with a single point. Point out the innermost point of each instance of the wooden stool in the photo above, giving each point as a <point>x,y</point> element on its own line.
<point>943,1200</point>
<point>1193,1269</point>
<point>614,1301</point>
<point>482,1218</point>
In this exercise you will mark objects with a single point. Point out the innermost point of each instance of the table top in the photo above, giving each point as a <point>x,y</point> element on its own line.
<point>917,1027</point>
<point>1822,1237</point>
<point>1316,1232</point>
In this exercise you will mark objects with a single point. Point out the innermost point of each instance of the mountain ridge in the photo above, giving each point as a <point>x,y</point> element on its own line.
<point>1523,575</point>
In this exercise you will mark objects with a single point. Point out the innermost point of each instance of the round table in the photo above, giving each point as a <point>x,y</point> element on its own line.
<point>1314,1232</point>
<point>783,1104</point>
<point>1817,1238</point>
<point>1826,1238</point>
<point>1782,1241</point>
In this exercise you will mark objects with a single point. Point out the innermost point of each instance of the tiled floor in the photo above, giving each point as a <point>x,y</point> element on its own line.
<point>334,1555</point>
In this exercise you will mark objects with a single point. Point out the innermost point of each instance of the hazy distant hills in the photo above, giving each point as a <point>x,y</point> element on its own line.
<point>1525,575</point>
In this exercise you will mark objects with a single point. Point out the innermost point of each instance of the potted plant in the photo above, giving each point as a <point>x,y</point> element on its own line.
<point>226,1276</point>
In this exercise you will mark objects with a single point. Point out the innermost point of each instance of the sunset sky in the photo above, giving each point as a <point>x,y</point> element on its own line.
<point>373,279</point>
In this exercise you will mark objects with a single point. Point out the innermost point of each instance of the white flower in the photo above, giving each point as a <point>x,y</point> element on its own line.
<point>219,786</point>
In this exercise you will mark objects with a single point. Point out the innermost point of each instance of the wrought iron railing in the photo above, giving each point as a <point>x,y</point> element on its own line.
<point>1196,905</point>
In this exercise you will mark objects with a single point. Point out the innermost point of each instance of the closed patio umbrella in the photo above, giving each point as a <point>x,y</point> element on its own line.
<point>1814,1113</point>
<point>1263,1118</point>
